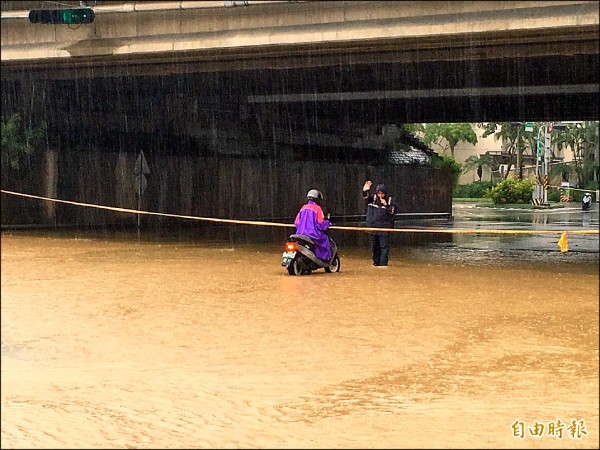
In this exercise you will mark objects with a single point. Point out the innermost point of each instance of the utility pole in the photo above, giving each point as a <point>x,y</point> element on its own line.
<point>539,196</point>
<point>519,156</point>
<point>542,164</point>
<point>547,143</point>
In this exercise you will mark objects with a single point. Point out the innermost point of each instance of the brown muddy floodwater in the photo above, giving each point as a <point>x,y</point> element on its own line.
<point>116,344</point>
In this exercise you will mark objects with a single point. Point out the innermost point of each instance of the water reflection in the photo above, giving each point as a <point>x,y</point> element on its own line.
<point>533,246</point>
<point>568,215</point>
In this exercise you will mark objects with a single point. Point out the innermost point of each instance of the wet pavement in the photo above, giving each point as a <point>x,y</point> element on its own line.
<point>571,216</point>
<point>567,218</point>
<point>479,243</point>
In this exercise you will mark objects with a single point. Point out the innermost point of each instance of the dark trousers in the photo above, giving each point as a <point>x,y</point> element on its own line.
<point>380,248</point>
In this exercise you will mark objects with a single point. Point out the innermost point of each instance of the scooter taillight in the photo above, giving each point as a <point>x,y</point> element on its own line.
<point>291,246</point>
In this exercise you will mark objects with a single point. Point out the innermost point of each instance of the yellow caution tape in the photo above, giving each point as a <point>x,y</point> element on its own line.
<point>571,189</point>
<point>275,224</point>
<point>149,213</point>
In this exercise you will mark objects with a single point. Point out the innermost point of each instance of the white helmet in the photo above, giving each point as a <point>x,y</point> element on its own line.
<point>314,195</point>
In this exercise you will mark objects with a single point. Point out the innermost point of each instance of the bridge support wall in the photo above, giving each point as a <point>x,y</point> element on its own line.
<point>219,187</point>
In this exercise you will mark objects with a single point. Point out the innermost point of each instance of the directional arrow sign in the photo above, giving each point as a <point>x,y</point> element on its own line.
<point>141,169</point>
<point>141,165</point>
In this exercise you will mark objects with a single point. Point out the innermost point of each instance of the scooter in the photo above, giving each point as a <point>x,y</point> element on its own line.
<point>586,202</point>
<point>299,257</point>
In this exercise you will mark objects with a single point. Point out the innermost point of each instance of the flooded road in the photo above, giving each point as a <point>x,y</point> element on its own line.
<point>109,342</point>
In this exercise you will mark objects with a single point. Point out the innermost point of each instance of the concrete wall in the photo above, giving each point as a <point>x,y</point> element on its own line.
<point>221,187</point>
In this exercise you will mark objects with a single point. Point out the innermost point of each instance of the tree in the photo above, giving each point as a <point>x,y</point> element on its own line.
<point>582,138</point>
<point>447,162</point>
<point>478,162</point>
<point>515,137</point>
<point>451,133</point>
<point>19,141</point>
<point>560,171</point>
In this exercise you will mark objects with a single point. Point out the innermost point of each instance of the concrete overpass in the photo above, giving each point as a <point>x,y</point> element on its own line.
<point>328,65</point>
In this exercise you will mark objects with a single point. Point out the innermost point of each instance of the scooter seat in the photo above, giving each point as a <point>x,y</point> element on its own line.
<point>302,238</point>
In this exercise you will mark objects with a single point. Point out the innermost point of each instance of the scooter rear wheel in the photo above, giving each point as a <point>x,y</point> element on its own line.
<point>294,268</point>
<point>334,266</point>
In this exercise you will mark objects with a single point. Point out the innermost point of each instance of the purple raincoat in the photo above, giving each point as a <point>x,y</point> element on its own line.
<point>311,222</point>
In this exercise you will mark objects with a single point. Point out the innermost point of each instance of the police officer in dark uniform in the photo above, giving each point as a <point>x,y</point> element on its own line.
<point>380,214</point>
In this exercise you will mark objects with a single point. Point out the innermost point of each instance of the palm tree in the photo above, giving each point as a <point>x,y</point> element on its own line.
<point>511,134</point>
<point>581,138</point>
<point>478,162</point>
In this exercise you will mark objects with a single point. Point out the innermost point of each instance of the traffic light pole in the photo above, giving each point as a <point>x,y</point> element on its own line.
<point>547,142</point>
<point>519,155</point>
<point>538,191</point>
<point>542,163</point>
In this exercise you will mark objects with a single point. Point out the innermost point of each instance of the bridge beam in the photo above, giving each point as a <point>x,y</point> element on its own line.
<point>300,34</point>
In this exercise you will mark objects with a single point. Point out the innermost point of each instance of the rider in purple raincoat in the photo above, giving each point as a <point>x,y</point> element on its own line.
<point>311,222</point>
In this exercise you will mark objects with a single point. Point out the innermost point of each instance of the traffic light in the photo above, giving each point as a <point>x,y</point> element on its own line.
<point>74,16</point>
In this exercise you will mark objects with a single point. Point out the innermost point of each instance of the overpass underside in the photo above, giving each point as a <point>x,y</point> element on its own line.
<point>294,90</point>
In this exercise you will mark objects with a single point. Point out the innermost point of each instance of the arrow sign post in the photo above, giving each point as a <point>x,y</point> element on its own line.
<point>139,182</point>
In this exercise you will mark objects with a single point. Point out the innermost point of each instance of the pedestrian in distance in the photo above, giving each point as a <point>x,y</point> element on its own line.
<point>381,210</point>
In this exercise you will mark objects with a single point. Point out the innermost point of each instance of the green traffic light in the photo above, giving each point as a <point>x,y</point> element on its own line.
<point>71,16</point>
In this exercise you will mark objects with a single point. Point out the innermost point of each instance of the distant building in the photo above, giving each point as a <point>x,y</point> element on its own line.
<point>499,152</point>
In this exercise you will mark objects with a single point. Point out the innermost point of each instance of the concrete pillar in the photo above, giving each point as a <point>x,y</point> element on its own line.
<point>50,182</point>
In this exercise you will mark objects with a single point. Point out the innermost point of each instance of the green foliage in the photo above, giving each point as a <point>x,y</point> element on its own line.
<point>452,133</point>
<point>586,172</point>
<point>478,163</point>
<point>577,196</point>
<point>591,186</point>
<point>412,128</point>
<point>477,189</point>
<point>554,195</point>
<point>582,139</point>
<point>511,190</point>
<point>18,141</point>
<point>560,172</point>
<point>512,132</point>
<point>447,162</point>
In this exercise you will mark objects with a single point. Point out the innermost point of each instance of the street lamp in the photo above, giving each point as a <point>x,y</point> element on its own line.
<point>538,192</point>
<point>519,154</point>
